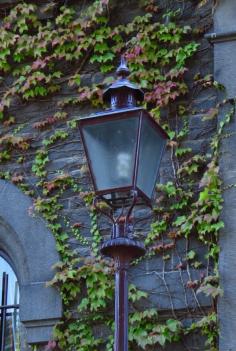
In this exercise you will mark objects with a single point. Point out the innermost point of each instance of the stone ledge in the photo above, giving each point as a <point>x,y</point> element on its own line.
<point>45,301</point>
<point>40,333</point>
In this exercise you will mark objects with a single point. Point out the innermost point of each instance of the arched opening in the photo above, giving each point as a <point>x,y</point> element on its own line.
<point>28,250</point>
<point>9,307</point>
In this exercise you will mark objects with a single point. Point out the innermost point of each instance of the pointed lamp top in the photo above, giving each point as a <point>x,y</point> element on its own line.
<point>122,93</point>
<point>123,71</point>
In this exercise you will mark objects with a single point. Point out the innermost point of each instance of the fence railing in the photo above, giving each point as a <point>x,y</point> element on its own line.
<point>8,319</point>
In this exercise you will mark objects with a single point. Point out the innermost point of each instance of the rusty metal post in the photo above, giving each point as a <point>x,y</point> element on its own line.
<point>121,304</point>
<point>122,249</point>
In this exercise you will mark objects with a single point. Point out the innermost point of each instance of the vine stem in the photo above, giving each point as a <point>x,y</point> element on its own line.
<point>182,280</point>
<point>190,278</point>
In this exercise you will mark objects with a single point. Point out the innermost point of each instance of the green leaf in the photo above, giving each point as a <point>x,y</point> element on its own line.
<point>173,325</point>
<point>180,220</point>
<point>191,255</point>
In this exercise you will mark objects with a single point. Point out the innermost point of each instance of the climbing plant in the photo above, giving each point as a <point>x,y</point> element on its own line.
<point>48,49</point>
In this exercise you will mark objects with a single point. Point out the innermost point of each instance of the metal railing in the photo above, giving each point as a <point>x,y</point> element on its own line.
<point>4,310</point>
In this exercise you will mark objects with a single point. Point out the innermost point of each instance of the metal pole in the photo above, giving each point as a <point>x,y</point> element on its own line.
<point>121,304</point>
<point>123,249</point>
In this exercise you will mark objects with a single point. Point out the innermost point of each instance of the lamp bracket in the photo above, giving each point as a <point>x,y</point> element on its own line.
<point>122,219</point>
<point>123,215</point>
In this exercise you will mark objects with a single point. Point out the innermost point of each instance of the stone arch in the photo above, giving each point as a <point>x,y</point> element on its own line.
<point>31,249</point>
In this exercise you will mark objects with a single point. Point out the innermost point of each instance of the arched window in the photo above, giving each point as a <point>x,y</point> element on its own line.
<point>9,308</point>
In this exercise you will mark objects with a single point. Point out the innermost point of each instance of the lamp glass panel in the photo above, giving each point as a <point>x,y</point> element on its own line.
<point>111,146</point>
<point>152,144</point>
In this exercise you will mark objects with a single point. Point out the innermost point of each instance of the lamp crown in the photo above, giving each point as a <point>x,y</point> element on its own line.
<point>122,93</point>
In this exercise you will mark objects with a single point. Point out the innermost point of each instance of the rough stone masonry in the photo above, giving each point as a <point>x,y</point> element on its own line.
<point>166,285</point>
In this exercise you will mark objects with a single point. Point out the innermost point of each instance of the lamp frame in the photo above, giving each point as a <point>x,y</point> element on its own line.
<point>118,114</point>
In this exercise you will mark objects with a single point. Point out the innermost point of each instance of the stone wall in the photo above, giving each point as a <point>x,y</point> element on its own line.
<point>166,284</point>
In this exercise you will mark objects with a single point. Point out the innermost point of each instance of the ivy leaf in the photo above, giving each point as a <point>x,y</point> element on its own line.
<point>161,339</point>
<point>191,255</point>
<point>173,325</point>
<point>180,220</point>
<point>101,47</point>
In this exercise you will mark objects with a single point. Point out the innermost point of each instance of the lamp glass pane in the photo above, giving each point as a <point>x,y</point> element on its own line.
<point>152,144</point>
<point>111,146</point>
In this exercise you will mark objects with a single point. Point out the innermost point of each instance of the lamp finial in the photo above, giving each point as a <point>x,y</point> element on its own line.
<point>123,70</point>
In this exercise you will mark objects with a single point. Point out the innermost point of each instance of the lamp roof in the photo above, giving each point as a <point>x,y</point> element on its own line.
<point>123,83</point>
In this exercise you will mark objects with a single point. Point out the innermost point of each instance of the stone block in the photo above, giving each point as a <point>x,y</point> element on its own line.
<point>66,164</point>
<point>204,101</point>
<point>224,18</point>
<point>47,303</point>
<point>200,128</point>
<point>224,62</point>
<point>168,289</point>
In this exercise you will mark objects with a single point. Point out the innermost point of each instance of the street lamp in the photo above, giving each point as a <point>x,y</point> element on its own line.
<point>123,146</point>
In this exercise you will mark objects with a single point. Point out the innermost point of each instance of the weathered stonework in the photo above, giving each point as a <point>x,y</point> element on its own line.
<point>167,290</point>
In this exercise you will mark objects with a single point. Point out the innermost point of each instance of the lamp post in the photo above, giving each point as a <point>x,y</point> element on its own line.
<point>123,147</point>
